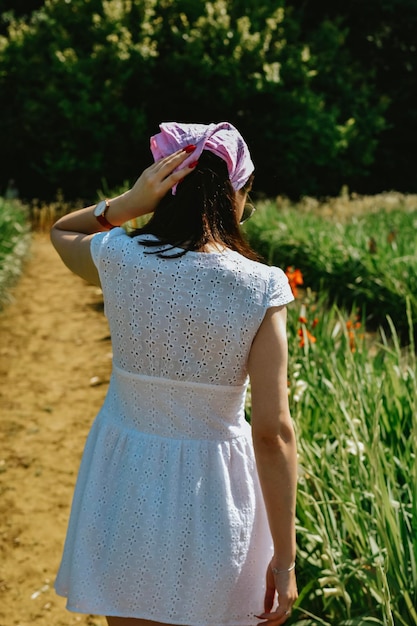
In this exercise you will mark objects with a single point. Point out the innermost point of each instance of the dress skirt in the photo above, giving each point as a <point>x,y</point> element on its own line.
<point>168,521</point>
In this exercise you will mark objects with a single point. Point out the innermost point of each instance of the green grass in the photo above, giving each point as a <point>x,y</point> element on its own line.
<point>14,244</point>
<point>354,403</point>
<point>353,395</point>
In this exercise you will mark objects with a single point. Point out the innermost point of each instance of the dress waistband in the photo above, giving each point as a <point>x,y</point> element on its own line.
<point>172,381</point>
<point>173,408</point>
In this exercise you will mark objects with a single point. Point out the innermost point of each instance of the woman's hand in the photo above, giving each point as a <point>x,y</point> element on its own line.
<point>283,583</point>
<point>151,186</point>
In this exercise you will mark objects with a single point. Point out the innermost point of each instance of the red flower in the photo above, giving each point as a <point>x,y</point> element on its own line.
<point>304,333</point>
<point>351,327</point>
<point>295,278</point>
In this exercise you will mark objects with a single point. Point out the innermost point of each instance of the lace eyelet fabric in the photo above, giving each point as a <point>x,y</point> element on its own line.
<point>167,521</point>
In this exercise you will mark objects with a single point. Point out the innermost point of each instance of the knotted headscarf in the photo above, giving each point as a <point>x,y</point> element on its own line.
<point>222,139</point>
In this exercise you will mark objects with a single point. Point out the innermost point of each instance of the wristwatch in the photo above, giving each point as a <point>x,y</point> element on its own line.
<point>100,214</point>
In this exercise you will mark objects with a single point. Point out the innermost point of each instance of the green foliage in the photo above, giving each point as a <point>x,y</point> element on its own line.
<point>354,405</point>
<point>367,261</point>
<point>353,397</point>
<point>381,40</point>
<point>14,243</point>
<point>84,83</point>
<point>69,98</point>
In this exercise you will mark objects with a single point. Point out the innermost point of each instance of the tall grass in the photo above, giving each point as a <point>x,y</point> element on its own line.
<point>14,243</point>
<point>354,404</point>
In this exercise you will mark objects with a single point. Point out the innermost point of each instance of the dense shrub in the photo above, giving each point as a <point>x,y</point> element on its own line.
<point>381,38</point>
<point>14,243</point>
<point>84,83</point>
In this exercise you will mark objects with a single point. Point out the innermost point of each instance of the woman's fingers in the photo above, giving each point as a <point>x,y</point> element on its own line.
<point>276,618</point>
<point>175,177</point>
<point>283,585</point>
<point>269,591</point>
<point>157,179</point>
<point>163,174</point>
<point>172,161</point>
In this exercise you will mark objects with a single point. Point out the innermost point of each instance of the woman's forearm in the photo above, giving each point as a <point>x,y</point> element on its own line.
<point>121,210</point>
<point>276,459</point>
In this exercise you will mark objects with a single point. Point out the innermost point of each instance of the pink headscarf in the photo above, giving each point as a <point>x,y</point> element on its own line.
<point>222,139</point>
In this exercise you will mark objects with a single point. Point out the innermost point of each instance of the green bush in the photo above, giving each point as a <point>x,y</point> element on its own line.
<point>381,39</point>
<point>14,243</point>
<point>84,83</point>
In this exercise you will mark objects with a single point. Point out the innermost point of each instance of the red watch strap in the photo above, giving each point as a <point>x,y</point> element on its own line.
<point>102,219</point>
<point>104,222</point>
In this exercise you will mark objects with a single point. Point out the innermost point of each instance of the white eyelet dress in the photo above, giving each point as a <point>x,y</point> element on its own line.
<point>167,521</point>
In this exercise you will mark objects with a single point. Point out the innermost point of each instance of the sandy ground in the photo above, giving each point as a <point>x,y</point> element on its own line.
<point>55,360</point>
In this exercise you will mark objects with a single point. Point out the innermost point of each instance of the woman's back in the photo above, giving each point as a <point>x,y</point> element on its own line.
<point>191,318</point>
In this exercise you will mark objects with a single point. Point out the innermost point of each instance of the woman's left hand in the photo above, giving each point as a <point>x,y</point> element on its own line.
<point>284,585</point>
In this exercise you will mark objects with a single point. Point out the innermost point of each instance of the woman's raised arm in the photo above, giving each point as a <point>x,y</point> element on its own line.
<point>71,235</point>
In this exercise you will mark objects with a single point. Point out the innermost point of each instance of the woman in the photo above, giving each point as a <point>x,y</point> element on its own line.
<point>180,507</point>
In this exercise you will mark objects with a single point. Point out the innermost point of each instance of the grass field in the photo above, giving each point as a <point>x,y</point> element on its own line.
<point>353,399</point>
<point>359,252</point>
<point>353,393</point>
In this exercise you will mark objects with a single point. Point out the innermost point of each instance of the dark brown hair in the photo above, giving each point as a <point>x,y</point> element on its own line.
<point>202,210</point>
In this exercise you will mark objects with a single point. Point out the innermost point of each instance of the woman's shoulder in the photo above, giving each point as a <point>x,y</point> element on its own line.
<point>258,267</point>
<point>105,236</point>
<point>107,240</point>
<point>276,285</point>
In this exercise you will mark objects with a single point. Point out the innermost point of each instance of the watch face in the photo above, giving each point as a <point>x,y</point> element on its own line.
<point>100,208</point>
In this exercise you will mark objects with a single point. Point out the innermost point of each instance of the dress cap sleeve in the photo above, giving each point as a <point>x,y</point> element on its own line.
<point>279,292</point>
<point>100,240</point>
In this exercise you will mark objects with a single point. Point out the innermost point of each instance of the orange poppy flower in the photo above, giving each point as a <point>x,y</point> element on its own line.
<point>295,278</point>
<point>304,334</point>
<point>351,327</point>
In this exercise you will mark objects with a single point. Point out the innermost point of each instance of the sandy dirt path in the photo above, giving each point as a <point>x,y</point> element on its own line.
<point>55,361</point>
